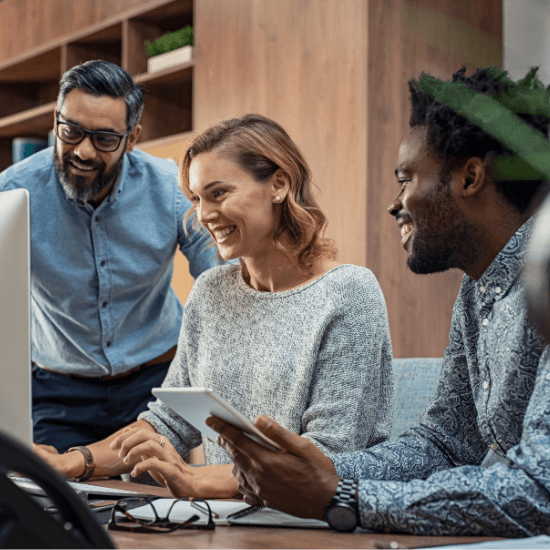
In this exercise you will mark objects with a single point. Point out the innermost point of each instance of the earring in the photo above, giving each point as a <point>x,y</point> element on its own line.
<point>277,198</point>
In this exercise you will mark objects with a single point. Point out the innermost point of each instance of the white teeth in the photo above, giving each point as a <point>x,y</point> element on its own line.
<point>224,232</point>
<point>406,229</point>
<point>83,168</point>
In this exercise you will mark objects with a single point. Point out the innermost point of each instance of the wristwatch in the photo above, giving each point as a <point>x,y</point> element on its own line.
<point>88,462</point>
<point>342,513</point>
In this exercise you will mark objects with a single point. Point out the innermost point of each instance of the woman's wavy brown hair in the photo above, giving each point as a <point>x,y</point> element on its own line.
<point>261,147</point>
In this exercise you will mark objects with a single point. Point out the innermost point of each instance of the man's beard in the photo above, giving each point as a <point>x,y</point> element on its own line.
<point>80,188</point>
<point>443,238</point>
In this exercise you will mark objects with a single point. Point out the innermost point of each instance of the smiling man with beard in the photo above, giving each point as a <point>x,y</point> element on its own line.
<point>88,169</point>
<point>468,170</point>
<point>79,188</point>
<point>106,220</point>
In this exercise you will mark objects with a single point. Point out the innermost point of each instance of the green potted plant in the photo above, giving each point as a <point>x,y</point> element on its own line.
<point>170,49</point>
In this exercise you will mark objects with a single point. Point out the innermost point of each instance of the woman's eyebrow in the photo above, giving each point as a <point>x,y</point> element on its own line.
<point>212,184</point>
<point>208,186</point>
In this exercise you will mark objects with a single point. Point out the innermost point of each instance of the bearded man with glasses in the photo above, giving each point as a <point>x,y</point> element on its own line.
<point>106,220</point>
<point>78,186</point>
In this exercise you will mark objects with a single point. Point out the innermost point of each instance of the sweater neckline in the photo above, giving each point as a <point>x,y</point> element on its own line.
<point>283,293</point>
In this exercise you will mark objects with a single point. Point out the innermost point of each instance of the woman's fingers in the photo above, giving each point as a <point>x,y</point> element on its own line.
<point>126,433</point>
<point>133,438</point>
<point>151,464</point>
<point>172,474</point>
<point>147,447</point>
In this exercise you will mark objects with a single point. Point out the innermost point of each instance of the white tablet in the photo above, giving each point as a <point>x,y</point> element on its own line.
<point>195,405</point>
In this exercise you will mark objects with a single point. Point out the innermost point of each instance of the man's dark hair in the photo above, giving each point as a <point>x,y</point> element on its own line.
<point>454,139</point>
<point>99,78</point>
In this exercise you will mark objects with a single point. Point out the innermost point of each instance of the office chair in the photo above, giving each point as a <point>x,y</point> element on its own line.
<point>25,524</point>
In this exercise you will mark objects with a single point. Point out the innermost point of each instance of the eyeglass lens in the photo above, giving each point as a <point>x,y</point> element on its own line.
<point>142,515</point>
<point>73,135</point>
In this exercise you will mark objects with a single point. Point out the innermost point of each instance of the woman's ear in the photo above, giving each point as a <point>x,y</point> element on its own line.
<point>472,177</point>
<point>280,186</point>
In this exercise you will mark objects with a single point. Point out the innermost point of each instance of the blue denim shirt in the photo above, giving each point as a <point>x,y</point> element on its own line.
<point>102,301</point>
<point>493,394</point>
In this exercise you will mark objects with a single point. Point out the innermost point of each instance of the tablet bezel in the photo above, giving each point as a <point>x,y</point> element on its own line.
<point>196,404</point>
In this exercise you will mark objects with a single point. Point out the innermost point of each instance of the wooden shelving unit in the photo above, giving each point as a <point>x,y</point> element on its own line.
<point>29,83</point>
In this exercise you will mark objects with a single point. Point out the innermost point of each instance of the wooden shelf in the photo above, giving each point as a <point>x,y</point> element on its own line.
<point>40,67</point>
<point>104,43</point>
<point>29,83</point>
<point>170,75</point>
<point>166,141</point>
<point>32,122</point>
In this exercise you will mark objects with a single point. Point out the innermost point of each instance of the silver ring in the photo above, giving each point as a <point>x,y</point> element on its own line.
<point>161,442</point>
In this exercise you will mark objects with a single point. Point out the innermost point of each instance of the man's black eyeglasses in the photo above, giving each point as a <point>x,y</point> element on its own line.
<point>107,142</point>
<point>123,520</point>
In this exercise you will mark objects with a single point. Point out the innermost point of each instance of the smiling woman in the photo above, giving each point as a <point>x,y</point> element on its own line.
<point>226,163</point>
<point>287,332</point>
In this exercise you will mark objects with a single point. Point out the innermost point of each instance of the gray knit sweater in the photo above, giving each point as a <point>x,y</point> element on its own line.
<point>317,358</point>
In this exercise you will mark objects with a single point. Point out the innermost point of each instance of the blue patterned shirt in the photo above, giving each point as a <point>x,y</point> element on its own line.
<point>102,301</point>
<point>494,393</point>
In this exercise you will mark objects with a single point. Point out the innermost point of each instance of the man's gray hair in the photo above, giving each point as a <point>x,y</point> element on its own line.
<point>100,78</point>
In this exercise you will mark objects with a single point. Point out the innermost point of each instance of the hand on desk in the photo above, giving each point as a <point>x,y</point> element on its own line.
<point>47,453</point>
<point>71,465</point>
<point>38,447</point>
<point>300,480</point>
<point>143,449</point>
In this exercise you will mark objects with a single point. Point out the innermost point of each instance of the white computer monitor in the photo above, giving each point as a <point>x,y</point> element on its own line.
<point>15,316</point>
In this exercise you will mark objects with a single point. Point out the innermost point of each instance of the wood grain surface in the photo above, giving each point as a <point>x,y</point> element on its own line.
<point>333,73</point>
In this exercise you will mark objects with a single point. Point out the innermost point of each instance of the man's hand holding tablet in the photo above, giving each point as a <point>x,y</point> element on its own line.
<point>299,480</point>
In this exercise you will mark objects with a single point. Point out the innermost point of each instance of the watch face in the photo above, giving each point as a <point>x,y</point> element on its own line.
<point>341,517</point>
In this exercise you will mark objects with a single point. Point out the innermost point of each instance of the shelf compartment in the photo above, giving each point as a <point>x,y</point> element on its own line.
<point>36,122</point>
<point>39,67</point>
<point>168,108</point>
<point>5,153</point>
<point>105,43</point>
<point>30,82</point>
<point>149,26</point>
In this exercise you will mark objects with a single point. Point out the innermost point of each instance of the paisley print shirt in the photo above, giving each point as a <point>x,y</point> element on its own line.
<point>494,393</point>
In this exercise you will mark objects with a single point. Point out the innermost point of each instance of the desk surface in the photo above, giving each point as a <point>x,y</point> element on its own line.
<point>267,537</point>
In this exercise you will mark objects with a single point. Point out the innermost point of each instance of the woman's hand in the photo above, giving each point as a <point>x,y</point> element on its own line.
<point>70,464</point>
<point>143,449</point>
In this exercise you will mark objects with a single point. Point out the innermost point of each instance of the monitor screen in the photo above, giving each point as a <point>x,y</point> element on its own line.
<point>15,332</point>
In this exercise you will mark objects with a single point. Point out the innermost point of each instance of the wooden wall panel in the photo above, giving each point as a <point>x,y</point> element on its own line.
<point>25,24</point>
<point>302,63</point>
<point>334,73</point>
<point>407,38</point>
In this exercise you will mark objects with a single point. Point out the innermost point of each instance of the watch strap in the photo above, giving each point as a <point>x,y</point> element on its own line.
<point>345,493</point>
<point>343,499</point>
<point>88,462</point>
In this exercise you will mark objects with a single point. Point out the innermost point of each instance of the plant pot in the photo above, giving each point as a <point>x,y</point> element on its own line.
<point>169,59</point>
